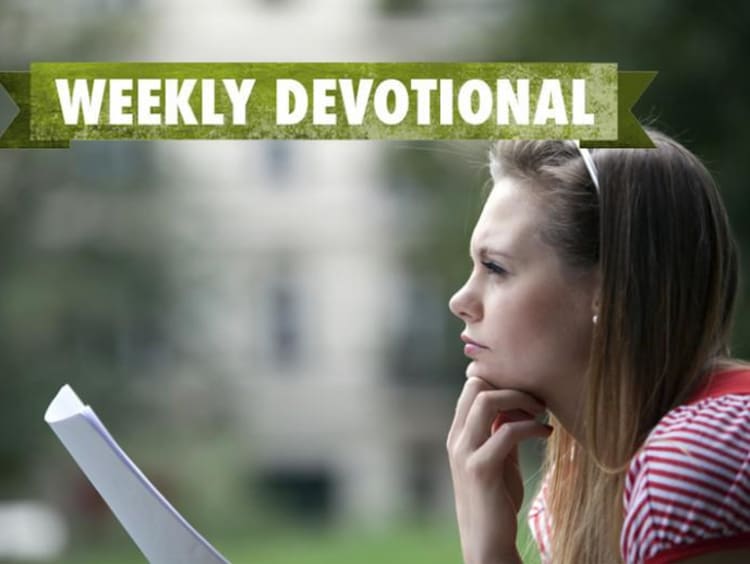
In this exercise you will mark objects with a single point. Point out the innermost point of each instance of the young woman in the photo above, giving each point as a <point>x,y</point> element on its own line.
<point>602,292</point>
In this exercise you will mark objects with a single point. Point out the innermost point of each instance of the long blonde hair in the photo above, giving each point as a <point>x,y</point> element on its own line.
<point>660,236</point>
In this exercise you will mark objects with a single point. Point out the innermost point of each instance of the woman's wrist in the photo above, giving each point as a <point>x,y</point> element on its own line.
<point>510,557</point>
<point>513,558</point>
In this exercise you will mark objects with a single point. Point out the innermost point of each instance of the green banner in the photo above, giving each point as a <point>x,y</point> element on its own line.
<point>61,102</point>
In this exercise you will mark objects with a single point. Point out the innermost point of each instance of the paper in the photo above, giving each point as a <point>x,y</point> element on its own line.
<point>161,533</point>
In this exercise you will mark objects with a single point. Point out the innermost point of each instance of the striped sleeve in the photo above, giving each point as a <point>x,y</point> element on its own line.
<point>539,523</point>
<point>687,491</point>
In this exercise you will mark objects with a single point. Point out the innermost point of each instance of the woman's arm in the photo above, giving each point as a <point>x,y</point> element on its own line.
<point>484,468</point>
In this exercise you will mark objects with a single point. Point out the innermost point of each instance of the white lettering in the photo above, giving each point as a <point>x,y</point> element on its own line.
<point>424,88</point>
<point>580,117</point>
<point>239,97</point>
<point>516,101</point>
<point>400,101</point>
<point>551,104</point>
<point>119,101</point>
<point>286,88</point>
<point>465,101</point>
<point>177,101</point>
<point>147,101</point>
<point>208,104</point>
<point>355,105</point>
<point>81,101</point>
<point>322,100</point>
<point>446,101</point>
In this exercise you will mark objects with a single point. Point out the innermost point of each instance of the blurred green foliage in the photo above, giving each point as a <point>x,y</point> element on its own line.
<point>699,96</point>
<point>439,185</point>
<point>83,280</point>
<point>81,299</point>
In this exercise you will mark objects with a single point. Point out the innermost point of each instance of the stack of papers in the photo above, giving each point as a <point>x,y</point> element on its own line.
<point>162,534</point>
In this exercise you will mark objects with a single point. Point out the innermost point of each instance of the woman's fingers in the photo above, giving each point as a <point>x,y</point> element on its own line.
<point>487,482</point>
<point>471,389</point>
<point>505,416</point>
<point>487,404</point>
<point>494,452</point>
<point>513,479</point>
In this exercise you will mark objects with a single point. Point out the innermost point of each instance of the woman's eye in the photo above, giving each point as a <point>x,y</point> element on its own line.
<point>494,268</point>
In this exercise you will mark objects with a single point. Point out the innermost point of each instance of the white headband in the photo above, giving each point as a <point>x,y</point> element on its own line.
<point>590,166</point>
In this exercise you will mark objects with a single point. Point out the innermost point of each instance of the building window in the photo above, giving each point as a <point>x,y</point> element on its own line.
<point>282,319</point>
<point>301,494</point>
<point>117,163</point>
<point>275,4</point>
<point>402,7</point>
<point>285,323</point>
<point>419,332</point>
<point>278,162</point>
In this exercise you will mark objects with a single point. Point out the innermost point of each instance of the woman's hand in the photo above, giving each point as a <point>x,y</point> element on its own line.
<point>487,481</point>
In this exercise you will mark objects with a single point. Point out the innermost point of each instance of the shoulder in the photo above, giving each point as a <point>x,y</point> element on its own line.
<point>688,487</point>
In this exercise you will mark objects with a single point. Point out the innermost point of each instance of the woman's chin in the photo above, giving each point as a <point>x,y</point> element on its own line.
<point>476,370</point>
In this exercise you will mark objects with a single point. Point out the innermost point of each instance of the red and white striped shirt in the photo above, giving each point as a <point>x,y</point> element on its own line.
<point>687,490</point>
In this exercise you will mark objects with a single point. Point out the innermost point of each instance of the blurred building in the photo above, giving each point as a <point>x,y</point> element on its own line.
<point>290,313</point>
<point>288,269</point>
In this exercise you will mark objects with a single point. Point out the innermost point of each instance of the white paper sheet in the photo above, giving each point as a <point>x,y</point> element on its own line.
<point>161,533</point>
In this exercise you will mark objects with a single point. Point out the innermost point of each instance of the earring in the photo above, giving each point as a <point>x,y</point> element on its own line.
<point>595,319</point>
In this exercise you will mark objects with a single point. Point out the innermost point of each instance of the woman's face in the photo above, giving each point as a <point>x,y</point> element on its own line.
<point>530,317</point>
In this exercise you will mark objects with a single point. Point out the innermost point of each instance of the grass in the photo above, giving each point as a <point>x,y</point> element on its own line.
<point>408,543</point>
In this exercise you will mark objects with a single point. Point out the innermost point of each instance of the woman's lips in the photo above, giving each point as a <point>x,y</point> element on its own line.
<point>471,348</point>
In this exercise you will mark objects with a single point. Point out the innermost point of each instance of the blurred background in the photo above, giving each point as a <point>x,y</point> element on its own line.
<point>263,325</point>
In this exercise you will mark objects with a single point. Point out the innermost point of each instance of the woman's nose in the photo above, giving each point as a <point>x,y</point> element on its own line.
<point>465,305</point>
